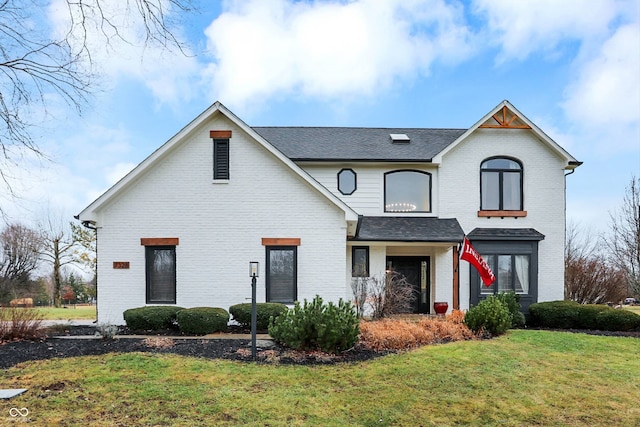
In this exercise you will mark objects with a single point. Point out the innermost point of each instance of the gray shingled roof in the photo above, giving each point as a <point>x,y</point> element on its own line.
<point>408,229</point>
<point>505,234</point>
<point>358,144</point>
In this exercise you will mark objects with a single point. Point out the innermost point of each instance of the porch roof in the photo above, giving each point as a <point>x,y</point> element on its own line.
<point>408,229</point>
<point>505,234</point>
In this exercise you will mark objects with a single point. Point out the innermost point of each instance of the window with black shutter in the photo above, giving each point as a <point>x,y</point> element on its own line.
<point>220,159</point>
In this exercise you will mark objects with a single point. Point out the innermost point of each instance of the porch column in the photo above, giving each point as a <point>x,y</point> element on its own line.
<point>456,278</point>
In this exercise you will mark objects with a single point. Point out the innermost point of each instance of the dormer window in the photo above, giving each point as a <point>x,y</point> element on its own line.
<point>407,191</point>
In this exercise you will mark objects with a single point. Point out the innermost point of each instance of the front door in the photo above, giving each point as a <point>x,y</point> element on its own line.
<point>417,272</point>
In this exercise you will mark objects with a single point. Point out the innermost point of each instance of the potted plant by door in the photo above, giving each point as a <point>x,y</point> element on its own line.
<point>440,308</point>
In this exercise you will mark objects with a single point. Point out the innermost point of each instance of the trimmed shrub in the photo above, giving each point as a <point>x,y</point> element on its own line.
<point>153,317</point>
<point>490,315</point>
<point>317,326</point>
<point>617,320</point>
<point>264,311</point>
<point>555,314</point>
<point>572,315</point>
<point>203,320</point>
<point>511,300</point>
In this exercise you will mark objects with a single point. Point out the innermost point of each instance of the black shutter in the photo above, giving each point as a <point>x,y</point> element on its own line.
<point>220,159</point>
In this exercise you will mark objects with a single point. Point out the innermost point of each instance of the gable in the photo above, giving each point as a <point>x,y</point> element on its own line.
<point>506,118</point>
<point>198,130</point>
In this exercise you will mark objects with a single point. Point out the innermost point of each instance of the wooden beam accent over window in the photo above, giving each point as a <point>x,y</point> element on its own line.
<point>280,241</point>
<point>505,121</point>
<point>502,214</point>
<point>220,134</point>
<point>159,241</point>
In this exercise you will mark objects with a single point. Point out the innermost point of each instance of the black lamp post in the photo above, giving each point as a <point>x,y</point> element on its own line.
<point>254,271</point>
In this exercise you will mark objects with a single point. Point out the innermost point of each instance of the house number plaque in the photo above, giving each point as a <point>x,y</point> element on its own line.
<point>122,265</point>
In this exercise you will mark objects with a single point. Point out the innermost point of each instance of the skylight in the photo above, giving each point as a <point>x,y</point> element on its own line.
<point>399,138</point>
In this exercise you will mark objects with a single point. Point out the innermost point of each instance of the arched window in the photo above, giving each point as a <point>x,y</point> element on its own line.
<point>407,191</point>
<point>501,184</point>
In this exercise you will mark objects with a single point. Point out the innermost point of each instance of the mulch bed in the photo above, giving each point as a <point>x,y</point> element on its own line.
<point>14,352</point>
<point>52,346</point>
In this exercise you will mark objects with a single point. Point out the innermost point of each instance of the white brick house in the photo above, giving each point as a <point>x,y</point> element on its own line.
<point>319,206</point>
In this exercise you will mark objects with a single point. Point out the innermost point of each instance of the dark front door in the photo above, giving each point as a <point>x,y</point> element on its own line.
<point>417,272</point>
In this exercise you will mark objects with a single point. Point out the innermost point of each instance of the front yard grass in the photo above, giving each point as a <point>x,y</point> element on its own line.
<point>78,312</point>
<point>522,378</point>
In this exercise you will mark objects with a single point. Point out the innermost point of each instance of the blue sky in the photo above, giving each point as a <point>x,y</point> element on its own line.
<point>571,66</point>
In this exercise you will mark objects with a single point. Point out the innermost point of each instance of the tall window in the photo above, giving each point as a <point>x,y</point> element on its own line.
<point>360,261</point>
<point>161,274</point>
<point>220,159</point>
<point>407,191</point>
<point>501,184</point>
<point>282,271</point>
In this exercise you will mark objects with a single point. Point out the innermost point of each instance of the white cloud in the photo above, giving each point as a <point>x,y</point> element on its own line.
<point>119,49</point>
<point>522,27</point>
<point>118,171</point>
<point>606,91</point>
<point>329,49</point>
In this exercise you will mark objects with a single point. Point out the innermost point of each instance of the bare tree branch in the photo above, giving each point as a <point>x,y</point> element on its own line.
<point>35,65</point>
<point>623,239</point>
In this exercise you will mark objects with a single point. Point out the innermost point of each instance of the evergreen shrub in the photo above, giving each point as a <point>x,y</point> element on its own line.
<point>572,315</point>
<point>512,301</point>
<point>264,311</point>
<point>203,320</point>
<point>317,326</point>
<point>491,315</point>
<point>153,317</point>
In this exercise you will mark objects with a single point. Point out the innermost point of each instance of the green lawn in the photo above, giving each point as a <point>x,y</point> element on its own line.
<point>78,312</point>
<point>634,308</point>
<point>521,379</point>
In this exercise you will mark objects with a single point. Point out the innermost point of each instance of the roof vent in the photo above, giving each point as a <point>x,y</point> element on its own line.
<point>399,138</point>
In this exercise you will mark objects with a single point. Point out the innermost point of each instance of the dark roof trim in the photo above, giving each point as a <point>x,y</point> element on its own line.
<point>505,234</point>
<point>408,229</point>
<point>339,159</point>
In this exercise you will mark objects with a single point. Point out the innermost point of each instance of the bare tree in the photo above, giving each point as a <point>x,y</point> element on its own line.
<point>390,294</point>
<point>623,239</point>
<point>85,252</point>
<point>589,277</point>
<point>58,250</point>
<point>19,256</point>
<point>34,64</point>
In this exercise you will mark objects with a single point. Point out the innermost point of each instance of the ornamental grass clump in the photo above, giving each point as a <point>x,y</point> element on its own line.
<point>315,325</point>
<point>398,334</point>
<point>20,323</point>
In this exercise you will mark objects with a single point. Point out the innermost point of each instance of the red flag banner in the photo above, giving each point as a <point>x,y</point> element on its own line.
<point>469,254</point>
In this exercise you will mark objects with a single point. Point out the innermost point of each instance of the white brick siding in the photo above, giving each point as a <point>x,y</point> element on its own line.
<point>220,227</point>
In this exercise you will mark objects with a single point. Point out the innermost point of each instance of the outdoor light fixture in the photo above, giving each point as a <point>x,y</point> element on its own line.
<point>254,269</point>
